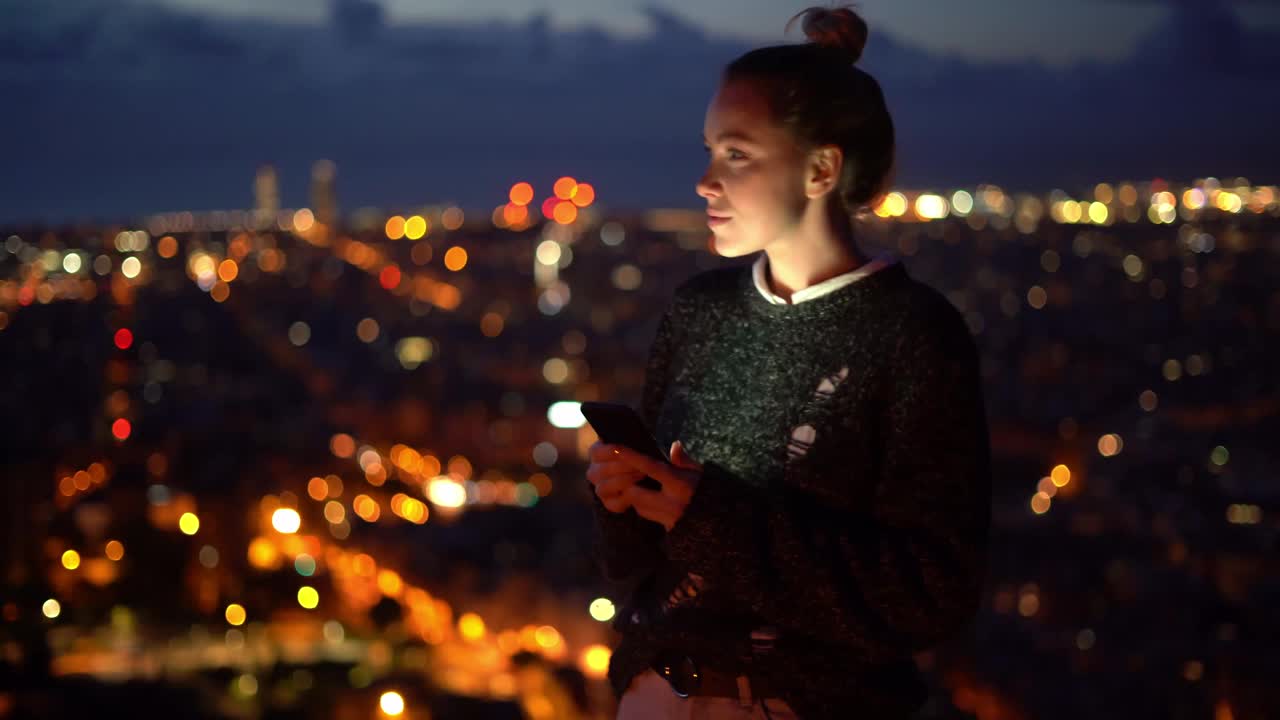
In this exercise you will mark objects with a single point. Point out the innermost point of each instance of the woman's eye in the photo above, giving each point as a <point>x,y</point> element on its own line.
<point>733,154</point>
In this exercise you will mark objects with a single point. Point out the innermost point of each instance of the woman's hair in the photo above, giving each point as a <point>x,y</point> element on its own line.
<point>816,93</point>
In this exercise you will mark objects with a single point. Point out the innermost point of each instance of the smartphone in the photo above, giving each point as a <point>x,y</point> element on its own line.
<point>619,424</point>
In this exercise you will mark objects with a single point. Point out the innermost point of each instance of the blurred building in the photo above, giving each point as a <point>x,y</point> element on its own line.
<point>324,192</point>
<point>266,195</point>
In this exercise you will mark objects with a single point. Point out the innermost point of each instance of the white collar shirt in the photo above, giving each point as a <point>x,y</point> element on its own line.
<point>760,270</point>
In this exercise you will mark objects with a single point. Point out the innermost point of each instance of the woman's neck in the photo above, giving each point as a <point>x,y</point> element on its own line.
<point>807,259</point>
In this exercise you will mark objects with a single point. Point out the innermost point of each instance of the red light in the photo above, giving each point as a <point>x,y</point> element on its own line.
<point>124,338</point>
<point>121,429</point>
<point>549,206</point>
<point>389,277</point>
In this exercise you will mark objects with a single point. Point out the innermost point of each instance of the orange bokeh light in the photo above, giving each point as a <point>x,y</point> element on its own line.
<point>395,227</point>
<point>452,218</point>
<point>121,429</point>
<point>228,270</point>
<point>565,212</point>
<point>167,247</point>
<point>521,193</point>
<point>584,195</point>
<point>317,488</point>
<point>342,445</point>
<point>390,583</point>
<point>564,187</point>
<point>455,258</point>
<point>514,214</point>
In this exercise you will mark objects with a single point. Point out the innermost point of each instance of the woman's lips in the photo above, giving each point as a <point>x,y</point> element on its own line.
<point>713,220</point>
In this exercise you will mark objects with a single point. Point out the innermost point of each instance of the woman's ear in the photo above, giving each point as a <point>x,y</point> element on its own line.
<point>823,171</point>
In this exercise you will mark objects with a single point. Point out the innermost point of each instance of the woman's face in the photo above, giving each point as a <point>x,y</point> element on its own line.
<point>755,173</point>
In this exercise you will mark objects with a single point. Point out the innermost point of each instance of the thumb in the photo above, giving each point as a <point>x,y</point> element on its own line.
<point>680,457</point>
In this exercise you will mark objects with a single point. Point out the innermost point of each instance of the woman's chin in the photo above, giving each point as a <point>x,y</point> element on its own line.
<point>727,248</point>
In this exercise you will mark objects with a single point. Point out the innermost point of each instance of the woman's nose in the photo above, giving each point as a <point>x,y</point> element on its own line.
<point>706,186</point>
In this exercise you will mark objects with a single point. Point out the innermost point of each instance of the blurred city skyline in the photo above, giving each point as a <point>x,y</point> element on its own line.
<point>300,299</point>
<point>124,108</point>
<point>276,464</point>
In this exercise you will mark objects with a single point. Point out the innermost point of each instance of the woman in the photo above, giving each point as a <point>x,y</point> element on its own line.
<point>825,513</point>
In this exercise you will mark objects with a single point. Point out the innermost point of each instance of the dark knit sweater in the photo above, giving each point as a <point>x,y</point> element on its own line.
<point>845,494</point>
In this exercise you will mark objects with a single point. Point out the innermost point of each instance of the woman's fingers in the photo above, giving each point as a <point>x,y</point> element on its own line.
<point>678,484</point>
<point>664,472</point>
<point>611,480</point>
<point>609,471</point>
<point>616,504</point>
<point>615,470</point>
<point>617,484</point>
<point>653,505</point>
<point>600,452</point>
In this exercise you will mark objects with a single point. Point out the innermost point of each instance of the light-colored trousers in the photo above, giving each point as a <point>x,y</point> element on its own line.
<point>649,697</point>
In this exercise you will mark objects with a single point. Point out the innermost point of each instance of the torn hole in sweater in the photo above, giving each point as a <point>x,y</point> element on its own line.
<point>802,439</point>
<point>689,587</point>
<point>827,386</point>
<point>802,436</point>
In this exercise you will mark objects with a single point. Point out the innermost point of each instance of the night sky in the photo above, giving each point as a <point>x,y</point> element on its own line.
<point>121,108</point>
<point>1052,32</point>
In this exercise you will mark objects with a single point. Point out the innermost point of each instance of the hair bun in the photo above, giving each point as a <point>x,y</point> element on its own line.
<point>838,28</point>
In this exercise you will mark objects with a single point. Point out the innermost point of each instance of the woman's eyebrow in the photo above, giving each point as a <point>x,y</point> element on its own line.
<point>730,135</point>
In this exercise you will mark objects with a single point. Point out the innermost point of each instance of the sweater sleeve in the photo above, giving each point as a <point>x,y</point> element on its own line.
<point>887,582</point>
<point>625,543</point>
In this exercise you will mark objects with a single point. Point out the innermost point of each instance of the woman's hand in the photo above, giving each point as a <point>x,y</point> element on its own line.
<point>679,480</point>
<point>611,476</point>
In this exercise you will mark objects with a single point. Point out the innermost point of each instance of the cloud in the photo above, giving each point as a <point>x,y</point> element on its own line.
<point>85,31</point>
<point>119,108</point>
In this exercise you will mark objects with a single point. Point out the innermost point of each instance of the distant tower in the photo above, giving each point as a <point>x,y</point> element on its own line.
<point>266,194</point>
<point>324,192</point>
